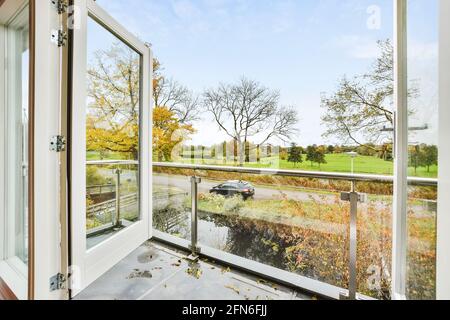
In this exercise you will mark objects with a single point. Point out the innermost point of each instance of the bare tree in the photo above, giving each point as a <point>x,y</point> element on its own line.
<point>360,108</point>
<point>174,96</point>
<point>248,110</point>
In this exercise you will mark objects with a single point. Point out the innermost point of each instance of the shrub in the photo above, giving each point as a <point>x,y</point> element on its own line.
<point>233,205</point>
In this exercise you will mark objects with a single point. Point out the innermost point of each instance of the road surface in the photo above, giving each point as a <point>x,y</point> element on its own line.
<point>261,193</point>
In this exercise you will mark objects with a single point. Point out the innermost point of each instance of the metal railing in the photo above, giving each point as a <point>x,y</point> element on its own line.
<point>353,197</point>
<point>113,206</point>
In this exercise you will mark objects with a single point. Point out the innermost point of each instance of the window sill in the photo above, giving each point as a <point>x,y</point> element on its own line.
<point>11,272</point>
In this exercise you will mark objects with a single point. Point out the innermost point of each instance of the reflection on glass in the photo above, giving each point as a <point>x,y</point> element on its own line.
<point>375,240</point>
<point>172,204</point>
<point>294,224</point>
<point>112,200</point>
<point>112,126</point>
<point>423,147</point>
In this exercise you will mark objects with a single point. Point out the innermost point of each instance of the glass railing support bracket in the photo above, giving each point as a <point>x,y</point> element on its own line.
<point>194,216</point>
<point>354,198</point>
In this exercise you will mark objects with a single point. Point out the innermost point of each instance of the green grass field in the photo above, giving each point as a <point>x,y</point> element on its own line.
<point>335,163</point>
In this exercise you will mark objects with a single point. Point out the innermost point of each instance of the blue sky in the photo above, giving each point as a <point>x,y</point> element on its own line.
<point>299,47</point>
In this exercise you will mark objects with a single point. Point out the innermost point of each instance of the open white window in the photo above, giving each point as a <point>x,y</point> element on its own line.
<point>110,144</point>
<point>14,66</point>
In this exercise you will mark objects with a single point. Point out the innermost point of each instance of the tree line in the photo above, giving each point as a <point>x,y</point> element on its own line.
<point>313,154</point>
<point>423,155</point>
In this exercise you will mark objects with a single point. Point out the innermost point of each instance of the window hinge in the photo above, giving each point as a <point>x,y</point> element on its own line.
<point>58,144</point>
<point>59,37</point>
<point>57,282</point>
<point>60,5</point>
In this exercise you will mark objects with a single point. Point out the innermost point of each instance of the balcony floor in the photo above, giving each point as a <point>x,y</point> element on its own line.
<point>157,272</point>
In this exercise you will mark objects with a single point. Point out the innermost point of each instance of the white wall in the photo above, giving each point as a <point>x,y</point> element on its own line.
<point>443,246</point>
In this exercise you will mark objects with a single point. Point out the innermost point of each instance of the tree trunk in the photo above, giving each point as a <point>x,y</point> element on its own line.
<point>241,152</point>
<point>247,152</point>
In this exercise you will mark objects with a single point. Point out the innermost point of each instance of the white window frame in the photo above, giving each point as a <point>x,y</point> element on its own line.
<point>45,262</point>
<point>399,217</point>
<point>47,118</point>
<point>12,270</point>
<point>88,265</point>
<point>443,221</point>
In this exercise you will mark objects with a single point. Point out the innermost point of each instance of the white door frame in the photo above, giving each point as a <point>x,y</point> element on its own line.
<point>399,217</point>
<point>443,221</point>
<point>88,265</point>
<point>47,237</point>
<point>44,249</point>
<point>12,269</point>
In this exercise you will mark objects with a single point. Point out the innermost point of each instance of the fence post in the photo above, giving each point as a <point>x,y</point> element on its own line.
<point>117,223</point>
<point>194,216</point>
<point>353,197</point>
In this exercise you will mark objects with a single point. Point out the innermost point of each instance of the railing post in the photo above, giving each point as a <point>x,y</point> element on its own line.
<point>353,197</point>
<point>194,216</point>
<point>117,222</point>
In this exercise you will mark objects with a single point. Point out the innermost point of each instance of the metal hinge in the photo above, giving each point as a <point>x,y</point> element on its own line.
<point>57,282</point>
<point>59,37</point>
<point>60,5</point>
<point>58,144</point>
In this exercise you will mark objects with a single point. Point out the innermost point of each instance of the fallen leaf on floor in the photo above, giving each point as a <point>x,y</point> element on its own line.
<point>225,270</point>
<point>261,281</point>
<point>176,264</point>
<point>234,289</point>
<point>194,272</point>
<point>140,274</point>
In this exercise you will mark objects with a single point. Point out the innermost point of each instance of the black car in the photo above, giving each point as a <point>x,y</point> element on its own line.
<point>232,188</point>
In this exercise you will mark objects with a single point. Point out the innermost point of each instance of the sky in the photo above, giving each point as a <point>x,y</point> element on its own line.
<point>302,48</point>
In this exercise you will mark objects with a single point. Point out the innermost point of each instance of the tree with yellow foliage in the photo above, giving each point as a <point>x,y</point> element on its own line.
<point>113,111</point>
<point>168,133</point>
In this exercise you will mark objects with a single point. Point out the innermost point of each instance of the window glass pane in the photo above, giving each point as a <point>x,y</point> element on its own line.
<point>423,82</point>
<point>17,52</point>
<point>112,124</point>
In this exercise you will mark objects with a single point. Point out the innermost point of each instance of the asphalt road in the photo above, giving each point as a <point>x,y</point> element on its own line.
<point>261,193</point>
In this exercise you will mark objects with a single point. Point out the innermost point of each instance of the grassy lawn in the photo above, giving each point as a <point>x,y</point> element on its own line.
<point>95,156</point>
<point>335,163</point>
